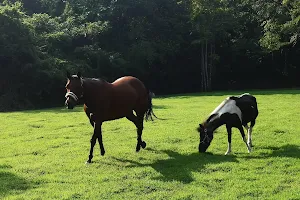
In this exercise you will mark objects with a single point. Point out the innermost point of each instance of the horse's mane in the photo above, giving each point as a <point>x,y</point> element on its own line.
<point>94,79</point>
<point>210,117</point>
<point>216,110</point>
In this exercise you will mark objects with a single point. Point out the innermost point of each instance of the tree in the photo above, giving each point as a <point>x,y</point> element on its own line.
<point>212,20</point>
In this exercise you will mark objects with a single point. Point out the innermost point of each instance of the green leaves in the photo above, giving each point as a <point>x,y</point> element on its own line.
<point>158,41</point>
<point>281,28</point>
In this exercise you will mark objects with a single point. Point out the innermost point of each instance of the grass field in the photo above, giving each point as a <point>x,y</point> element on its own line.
<point>43,154</point>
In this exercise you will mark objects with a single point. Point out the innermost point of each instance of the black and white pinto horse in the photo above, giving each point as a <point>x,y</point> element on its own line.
<point>233,112</point>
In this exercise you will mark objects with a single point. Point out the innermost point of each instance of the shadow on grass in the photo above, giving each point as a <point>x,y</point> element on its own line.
<point>10,183</point>
<point>58,110</point>
<point>179,167</point>
<point>160,107</point>
<point>289,151</point>
<point>232,92</point>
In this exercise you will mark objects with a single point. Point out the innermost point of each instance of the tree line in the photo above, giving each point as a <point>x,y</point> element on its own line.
<point>173,46</point>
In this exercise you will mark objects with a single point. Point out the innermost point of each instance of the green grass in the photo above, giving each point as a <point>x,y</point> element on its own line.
<point>43,154</point>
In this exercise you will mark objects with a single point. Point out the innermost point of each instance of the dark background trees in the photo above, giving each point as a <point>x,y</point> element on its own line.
<point>173,46</point>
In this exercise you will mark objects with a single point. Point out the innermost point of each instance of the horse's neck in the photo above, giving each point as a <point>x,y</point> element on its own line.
<point>215,123</point>
<point>94,90</point>
<point>89,89</point>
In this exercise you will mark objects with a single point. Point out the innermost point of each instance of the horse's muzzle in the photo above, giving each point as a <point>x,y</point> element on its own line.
<point>203,147</point>
<point>69,104</point>
<point>71,100</point>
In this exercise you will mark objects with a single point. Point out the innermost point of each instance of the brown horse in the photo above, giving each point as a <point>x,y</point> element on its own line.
<point>104,101</point>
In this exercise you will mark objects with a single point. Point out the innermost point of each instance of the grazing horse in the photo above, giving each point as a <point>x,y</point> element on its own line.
<point>104,101</point>
<point>233,112</point>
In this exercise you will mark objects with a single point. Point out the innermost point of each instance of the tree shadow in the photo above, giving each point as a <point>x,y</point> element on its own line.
<point>10,182</point>
<point>56,110</point>
<point>295,91</point>
<point>66,110</point>
<point>160,107</point>
<point>179,167</point>
<point>289,151</point>
<point>5,167</point>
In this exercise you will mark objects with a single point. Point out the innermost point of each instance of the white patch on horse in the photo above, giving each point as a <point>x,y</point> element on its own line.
<point>227,106</point>
<point>249,142</point>
<point>244,94</point>
<point>72,95</point>
<point>228,149</point>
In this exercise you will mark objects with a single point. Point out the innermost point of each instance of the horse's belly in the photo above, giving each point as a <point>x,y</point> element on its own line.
<point>112,118</point>
<point>117,112</point>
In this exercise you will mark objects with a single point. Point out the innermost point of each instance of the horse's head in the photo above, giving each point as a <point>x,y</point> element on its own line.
<point>74,89</point>
<point>206,136</point>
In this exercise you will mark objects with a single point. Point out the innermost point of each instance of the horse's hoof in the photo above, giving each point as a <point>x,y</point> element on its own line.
<point>144,144</point>
<point>227,153</point>
<point>250,145</point>
<point>102,153</point>
<point>88,162</point>
<point>138,148</point>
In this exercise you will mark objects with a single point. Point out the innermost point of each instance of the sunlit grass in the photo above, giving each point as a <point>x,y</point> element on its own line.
<point>43,154</point>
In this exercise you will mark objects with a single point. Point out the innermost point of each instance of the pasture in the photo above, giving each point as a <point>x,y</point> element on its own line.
<point>43,153</point>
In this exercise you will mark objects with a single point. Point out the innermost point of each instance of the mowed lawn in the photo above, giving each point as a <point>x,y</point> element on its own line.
<point>43,153</point>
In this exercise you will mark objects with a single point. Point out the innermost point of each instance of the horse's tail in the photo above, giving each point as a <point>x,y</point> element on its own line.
<point>149,112</point>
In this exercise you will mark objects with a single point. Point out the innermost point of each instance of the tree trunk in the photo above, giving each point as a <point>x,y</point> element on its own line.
<point>210,66</point>
<point>202,69</point>
<point>206,67</point>
<point>285,71</point>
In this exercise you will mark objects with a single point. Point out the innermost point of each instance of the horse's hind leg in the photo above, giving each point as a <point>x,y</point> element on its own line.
<point>229,132</point>
<point>102,150</point>
<point>250,133</point>
<point>138,122</point>
<point>140,128</point>
<point>244,137</point>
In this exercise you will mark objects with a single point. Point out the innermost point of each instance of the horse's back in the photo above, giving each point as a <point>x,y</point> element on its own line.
<point>133,81</point>
<point>128,93</point>
<point>130,84</point>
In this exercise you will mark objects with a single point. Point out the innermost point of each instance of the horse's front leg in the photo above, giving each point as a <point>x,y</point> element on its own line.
<point>89,114</point>
<point>93,142</point>
<point>102,150</point>
<point>97,132</point>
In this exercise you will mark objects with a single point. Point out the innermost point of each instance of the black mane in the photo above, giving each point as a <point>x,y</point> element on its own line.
<point>210,117</point>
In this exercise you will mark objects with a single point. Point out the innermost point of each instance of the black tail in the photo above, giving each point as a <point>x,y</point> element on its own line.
<point>149,112</point>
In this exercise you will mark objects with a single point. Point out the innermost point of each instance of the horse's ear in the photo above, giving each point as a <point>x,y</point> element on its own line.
<point>79,74</point>
<point>68,75</point>
<point>200,128</point>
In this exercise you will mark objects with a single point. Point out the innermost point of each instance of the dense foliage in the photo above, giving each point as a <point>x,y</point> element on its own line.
<point>172,45</point>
